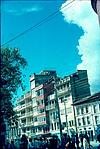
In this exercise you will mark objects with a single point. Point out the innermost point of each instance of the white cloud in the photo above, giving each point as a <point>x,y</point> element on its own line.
<point>82,14</point>
<point>18,10</point>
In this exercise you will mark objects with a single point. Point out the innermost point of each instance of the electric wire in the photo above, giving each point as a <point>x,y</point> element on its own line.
<point>46,19</point>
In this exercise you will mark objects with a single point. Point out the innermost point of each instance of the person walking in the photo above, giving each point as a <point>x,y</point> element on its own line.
<point>81,139</point>
<point>69,145</point>
<point>98,138</point>
<point>85,143</point>
<point>17,143</point>
<point>24,142</point>
<point>31,144</point>
<point>11,145</point>
<point>77,141</point>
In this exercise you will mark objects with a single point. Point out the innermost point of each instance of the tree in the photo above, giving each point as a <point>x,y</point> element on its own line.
<point>12,65</point>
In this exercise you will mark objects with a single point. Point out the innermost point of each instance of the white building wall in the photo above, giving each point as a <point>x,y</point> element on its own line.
<point>91,115</point>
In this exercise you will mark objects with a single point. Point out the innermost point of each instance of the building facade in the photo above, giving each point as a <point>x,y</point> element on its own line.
<point>96,6</point>
<point>87,112</point>
<point>49,97</point>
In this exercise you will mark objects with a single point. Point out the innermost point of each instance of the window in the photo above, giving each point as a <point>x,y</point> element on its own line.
<point>62,112</point>
<point>33,93</point>
<point>87,109</point>
<point>77,111</point>
<point>82,111</point>
<point>70,123</point>
<point>69,110</point>
<point>35,119</point>
<point>34,109</point>
<point>52,126</point>
<point>79,122</point>
<point>68,84</point>
<point>61,99</point>
<point>88,120</point>
<point>97,119</point>
<point>33,84</point>
<point>84,122</point>
<point>95,108</point>
<point>41,110</point>
<point>55,125</point>
<point>34,101</point>
<point>40,92</point>
<point>42,101</point>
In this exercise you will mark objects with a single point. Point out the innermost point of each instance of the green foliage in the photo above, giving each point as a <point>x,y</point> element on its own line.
<point>12,65</point>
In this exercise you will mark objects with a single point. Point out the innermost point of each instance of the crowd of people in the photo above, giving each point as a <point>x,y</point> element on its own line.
<point>74,142</point>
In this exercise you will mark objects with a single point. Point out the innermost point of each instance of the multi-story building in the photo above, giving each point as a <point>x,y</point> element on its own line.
<point>96,6</point>
<point>87,112</point>
<point>69,89</point>
<point>25,113</point>
<point>40,90</point>
<point>50,96</point>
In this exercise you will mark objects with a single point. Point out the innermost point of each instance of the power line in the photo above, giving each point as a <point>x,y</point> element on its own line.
<point>37,24</point>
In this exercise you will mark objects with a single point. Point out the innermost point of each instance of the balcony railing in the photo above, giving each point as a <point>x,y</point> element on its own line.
<point>22,115</point>
<point>39,123</point>
<point>29,104</point>
<point>50,107</point>
<point>29,123</point>
<point>29,113</point>
<point>22,106</point>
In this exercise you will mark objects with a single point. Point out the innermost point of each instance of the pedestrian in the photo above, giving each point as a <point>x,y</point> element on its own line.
<point>85,143</point>
<point>98,138</point>
<point>30,144</point>
<point>73,141</point>
<point>24,142</point>
<point>11,145</point>
<point>81,139</point>
<point>87,138</point>
<point>17,143</point>
<point>77,141</point>
<point>64,141</point>
<point>69,145</point>
<point>7,144</point>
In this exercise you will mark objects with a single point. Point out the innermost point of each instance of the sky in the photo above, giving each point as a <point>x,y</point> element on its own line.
<point>69,41</point>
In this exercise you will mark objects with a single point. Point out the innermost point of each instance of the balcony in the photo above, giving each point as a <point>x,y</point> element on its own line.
<point>22,107</point>
<point>22,115</point>
<point>51,97</point>
<point>29,104</point>
<point>41,106</point>
<point>39,123</point>
<point>35,123</point>
<point>35,113</point>
<point>61,92</point>
<point>29,123</point>
<point>22,124</point>
<point>29,113</point>
<point>42,123</point>
<point>50,107</point>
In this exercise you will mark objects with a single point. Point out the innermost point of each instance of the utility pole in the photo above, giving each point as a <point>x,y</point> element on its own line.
<point>56,97</point>
<point>75,119</point>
